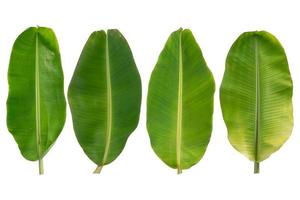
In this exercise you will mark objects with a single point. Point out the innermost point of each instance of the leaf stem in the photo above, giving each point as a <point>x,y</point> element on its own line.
<point>179,171</point>
<point>256,167</point>
<point>98,169</point>
<point>41,167</point>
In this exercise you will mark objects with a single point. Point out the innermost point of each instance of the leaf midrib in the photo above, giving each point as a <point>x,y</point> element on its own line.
<point>257,103</point>
<point>179,110</point>
<point>37,97</point>
<point>109,103</point>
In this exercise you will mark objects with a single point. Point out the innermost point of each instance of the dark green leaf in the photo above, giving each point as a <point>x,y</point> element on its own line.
<point>105,96</point>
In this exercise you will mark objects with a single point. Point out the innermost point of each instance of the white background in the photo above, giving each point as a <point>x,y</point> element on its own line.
<point>138,173</point>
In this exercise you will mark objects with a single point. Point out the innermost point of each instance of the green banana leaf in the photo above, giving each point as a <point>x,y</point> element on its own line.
<point>105,96</point>
<point>36,106</point>
<point>256,96</point>
<point>180,102</point>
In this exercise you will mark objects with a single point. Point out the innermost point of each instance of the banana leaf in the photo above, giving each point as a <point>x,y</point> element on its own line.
<point>36,106</point>
<point>105,96</point>
<point>180,102</point>
<point>256,96</point>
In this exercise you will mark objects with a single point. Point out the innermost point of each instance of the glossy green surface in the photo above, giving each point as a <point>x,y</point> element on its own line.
<point>256,96</point>
<point>36,107</point>
<point>105,96</point>
<point>180,102</point>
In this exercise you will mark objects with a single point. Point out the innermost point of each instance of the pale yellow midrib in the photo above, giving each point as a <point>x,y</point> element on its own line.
<point>179,111</point>
<point>37,98</point>
<point>257,103</point>
<point>109,104</point>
